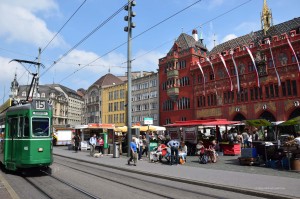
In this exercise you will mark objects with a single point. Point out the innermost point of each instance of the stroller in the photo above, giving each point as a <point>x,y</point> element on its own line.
<point>203,157</point>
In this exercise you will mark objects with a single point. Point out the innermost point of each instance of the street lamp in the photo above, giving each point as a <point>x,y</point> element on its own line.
<point>128,29</point>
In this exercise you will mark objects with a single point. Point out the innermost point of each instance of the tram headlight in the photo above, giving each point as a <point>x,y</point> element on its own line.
<point>40,150</point>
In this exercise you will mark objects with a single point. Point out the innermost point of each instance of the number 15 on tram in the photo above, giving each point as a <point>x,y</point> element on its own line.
<point>26,140</point>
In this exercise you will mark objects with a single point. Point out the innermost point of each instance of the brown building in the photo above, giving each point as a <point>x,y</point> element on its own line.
<point>237,87</point>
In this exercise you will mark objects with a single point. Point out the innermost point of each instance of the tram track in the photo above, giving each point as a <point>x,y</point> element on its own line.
<point>117,181</point>
<point>37,185</point>
<point>140,183</point>
<point>198,184</point>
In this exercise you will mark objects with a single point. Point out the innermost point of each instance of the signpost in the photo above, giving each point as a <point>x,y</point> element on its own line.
<point>148,121</point>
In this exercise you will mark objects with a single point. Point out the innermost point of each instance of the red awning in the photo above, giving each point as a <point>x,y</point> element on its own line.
<point>215,123</point>
<point>209,122</point>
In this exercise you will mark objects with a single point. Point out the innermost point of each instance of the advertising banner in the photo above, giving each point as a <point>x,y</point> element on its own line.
<point>190,134</point>
<point>174,133</point>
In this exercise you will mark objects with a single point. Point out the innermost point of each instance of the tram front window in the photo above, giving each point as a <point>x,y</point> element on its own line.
<point>40,126</point>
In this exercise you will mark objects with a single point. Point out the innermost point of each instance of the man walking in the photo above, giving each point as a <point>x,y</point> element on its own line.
<point>76,141</point>
<point>174,145</point>
<point>93,142</point>
<point>133,152</point>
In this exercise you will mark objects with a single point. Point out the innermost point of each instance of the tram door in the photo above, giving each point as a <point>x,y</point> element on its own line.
<point>13,132</point>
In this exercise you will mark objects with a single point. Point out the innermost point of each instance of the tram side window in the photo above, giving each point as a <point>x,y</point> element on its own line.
<point>21,123</point>
<point>13,127</point>
<point>26,127</point>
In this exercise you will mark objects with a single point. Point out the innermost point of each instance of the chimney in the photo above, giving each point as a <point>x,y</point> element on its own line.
<point>195,34</point>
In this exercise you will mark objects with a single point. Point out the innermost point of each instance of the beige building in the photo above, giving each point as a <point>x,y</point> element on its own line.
<point>75,104</point>
<point>92,109</point>
<point>65,102</point>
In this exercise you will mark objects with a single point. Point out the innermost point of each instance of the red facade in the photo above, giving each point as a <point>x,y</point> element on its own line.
<point>184,95</point>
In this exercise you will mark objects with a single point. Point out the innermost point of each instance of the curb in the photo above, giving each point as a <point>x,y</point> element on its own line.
<point>8,188</point>
<point>192,182</point>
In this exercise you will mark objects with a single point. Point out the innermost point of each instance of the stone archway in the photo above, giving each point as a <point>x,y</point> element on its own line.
<point>268,116</point>
<point>239,117</point>
<point>294,114</point>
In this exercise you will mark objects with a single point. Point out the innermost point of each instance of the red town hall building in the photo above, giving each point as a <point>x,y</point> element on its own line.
<point>253,76</point>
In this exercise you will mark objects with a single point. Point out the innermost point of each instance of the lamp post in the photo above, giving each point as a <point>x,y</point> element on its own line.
<point>128,29</point>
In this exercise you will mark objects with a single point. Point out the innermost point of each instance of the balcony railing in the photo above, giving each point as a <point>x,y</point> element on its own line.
<point>172,73</point>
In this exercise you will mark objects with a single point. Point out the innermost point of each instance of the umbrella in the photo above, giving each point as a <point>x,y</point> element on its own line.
<point>258,122</point>
<point>290,122</point>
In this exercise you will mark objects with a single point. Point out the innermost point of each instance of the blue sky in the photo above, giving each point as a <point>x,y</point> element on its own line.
<point>28,25</point>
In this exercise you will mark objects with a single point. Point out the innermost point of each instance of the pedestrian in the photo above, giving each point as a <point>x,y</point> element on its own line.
<point>101,144</point>
<point>77,140</point>
<point>133,152</point>
<point>245,136</point>
<point>145,146</point>
<point>137,143</point>
<point>183,151</point>
<point>93,142</point>
<point>141,145</point>
<point>174,145</point>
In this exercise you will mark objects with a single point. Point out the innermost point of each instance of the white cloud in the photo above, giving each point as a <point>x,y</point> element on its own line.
<point>228,37</point>
<point>33,5</point>
<point>23,25</point>
<point>214,3</point>
<point>7,74</point>
<point>73,69</point>
<point>247,27</point>
<point>147,61</point>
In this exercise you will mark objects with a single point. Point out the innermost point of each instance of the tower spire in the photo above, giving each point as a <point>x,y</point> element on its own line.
<point>14,87</point>
<point>266,18</point>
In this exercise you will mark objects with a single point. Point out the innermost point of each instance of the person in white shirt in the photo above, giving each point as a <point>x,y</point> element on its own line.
<point>93,142</point>
<point>183,151</point>
<point>141,144</point>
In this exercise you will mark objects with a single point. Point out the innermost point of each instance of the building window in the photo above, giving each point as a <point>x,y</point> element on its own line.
<point>225,98</point>
<point>270,62</point>
<point>250,66</point>
<point>183,103</point>
<point>267,92</point>
<point>288,87</point>
<point>24,94</point>
<point>283,59</point>
<point>294,87</point>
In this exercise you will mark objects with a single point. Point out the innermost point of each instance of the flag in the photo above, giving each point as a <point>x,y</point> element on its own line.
<point>222,59</point>
<point>278,78</point>
<point>202,75</point>
<point>212,68</point>
<point>251,56</point>
<point>237,73</point>
<point>293,52</point>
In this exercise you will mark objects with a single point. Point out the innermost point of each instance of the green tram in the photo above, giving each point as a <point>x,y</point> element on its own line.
<point>26,140</point>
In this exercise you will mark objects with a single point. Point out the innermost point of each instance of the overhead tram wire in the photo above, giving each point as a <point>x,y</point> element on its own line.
<point>132,38</point>
<point>224,13</point>
<point>87,36</point>
<point>234,8</point>
<point>27,68</point>
<point>63,26</point>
